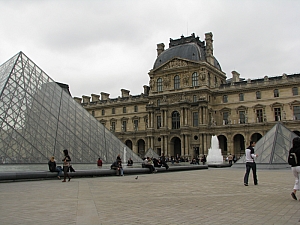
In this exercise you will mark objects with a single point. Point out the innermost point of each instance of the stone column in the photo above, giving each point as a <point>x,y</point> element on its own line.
<point>181,117</point>
<point>200,115</point>
<point>166,119</point>
<point>205,144</point>
<point>186,145</point>
<point>182,144</point>
<point>166,150</point>
<point>152,119</point>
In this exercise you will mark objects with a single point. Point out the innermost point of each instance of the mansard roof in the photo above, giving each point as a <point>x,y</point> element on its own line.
<point>190,48</point>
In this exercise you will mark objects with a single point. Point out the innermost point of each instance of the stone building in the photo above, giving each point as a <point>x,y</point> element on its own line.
<point>189,99</point>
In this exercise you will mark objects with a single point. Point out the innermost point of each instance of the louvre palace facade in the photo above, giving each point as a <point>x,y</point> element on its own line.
<point>189,98</point>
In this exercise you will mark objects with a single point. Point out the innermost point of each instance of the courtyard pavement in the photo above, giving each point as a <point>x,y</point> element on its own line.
<point>211,196</point>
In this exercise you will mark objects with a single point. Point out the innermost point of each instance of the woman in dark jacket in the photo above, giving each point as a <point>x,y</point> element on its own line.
<point>296,168</point>
<point>66,160</point>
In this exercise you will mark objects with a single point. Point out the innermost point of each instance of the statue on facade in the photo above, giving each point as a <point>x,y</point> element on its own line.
<point>151,84</point>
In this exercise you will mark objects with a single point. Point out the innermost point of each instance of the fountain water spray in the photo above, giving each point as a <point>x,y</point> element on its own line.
<point>214,153</point>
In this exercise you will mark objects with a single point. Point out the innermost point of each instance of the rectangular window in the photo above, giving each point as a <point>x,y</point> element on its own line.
<point>124,128</point>
<point>276,93</point>
<point>135,125</point>
<point>195,79</point>
<point>225,98</point>
<point>135,108</point>
<point>277,114</point>
<point>225,118</point>
<point>242,117</point>
<point>241,96</point>
<point>158,102</point>
<point>93,113</point>
<point>103,112</point>
<point>194,98</point>
<point>176,82</point>
<point>295,91</point>
<point>259,115</point>
<point>158,122</point>
<point>113,111</point>
<point>296,110</point>
<point>195,119</point>
<point>113,126</point>
<point>124,109</point>
<point>258,95</point>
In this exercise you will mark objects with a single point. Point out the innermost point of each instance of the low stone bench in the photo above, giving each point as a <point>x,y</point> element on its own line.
<point>32,175</point>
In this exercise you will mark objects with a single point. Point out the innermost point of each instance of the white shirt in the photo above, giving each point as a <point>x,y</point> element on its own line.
<point>249,157</point>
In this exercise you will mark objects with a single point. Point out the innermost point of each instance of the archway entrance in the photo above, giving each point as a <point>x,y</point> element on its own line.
<point>223,144</point>
<point>239,145</point>
<point>175,146</point>
<point>141,147</point>
<point>297,132</point>
<point>128,143</point>
<point>255,137</point>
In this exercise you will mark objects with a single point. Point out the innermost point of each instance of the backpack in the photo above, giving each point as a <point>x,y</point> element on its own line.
<point>292,159</point>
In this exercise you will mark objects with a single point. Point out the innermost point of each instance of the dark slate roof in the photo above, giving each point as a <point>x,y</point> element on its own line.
<point>190,51</point>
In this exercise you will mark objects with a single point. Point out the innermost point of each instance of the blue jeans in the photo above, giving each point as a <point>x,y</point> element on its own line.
<point>59,171</point>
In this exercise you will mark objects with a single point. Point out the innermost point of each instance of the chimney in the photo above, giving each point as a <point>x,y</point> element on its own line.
<point>86,99</point>
<point>160,48</point>
<point>235,76</point>
<point>104,96</point>
<point>146,89</point>
<point>125,93</point>
<point>78,100</point>
<point>95,98</point>
<point>209,50</point>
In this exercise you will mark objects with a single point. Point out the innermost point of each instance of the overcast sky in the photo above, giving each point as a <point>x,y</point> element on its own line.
<point>105,45</point>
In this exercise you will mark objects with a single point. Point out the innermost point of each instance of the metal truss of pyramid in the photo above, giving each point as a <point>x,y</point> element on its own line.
<point>151,154</point>
<point>273,147</point>
<point>39,119</point>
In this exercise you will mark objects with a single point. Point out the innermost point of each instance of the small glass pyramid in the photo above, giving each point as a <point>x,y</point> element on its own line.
<point>274,146</point>
<point>39,119</point>
<point>151,154</point>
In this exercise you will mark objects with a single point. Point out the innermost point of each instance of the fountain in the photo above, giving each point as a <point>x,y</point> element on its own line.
<point>214,153</point>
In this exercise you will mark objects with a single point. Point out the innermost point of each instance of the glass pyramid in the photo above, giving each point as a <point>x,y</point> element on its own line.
<point>151,154</point>
<point>39,119</point>
<point>274,146</point>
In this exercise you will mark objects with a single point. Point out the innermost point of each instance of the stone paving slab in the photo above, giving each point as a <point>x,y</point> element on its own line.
<point>212,196</point>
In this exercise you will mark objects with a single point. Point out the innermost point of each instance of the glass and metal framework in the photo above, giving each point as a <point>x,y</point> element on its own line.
<point>274,146</point>
<point>40,119</point>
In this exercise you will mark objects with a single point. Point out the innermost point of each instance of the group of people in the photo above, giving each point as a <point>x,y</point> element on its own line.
<point>66,166</point>
<point>150,163</point>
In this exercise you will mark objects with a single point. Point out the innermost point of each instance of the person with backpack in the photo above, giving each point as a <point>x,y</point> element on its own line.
<point>294,161</point>
<point>250,163</point>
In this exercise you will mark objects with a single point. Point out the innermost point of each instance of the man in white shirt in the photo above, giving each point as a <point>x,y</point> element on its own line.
<point>250,163</point>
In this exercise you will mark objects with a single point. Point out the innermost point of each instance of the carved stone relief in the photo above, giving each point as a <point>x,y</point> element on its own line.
<point>175,63</point>
<point>166,82</point>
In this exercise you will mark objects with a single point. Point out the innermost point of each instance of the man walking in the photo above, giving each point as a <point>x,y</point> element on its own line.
<point>250,163</point>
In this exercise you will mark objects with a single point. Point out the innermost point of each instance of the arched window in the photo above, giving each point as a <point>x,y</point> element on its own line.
<point>176,82</point>
<point>175,120</point>
<point>195,79</point>
<point>159,85</point>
